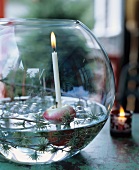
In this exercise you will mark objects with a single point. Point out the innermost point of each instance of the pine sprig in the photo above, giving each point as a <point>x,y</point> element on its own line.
<point>92,116</point>
<point>5,148</point>
<point>34,156</point>
<point>43,145</point>
<point>41,125</point>
<point>22,139</point>
<point>67,118</point>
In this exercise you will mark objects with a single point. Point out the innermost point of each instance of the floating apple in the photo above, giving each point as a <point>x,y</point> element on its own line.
<point>65,114</point>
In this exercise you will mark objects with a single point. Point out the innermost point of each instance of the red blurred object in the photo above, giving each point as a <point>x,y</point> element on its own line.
<point>2,8</point>
<point>2,90</point>
<point>115,61</point>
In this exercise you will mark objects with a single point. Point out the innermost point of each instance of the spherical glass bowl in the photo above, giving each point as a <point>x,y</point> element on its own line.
<point>56,92</point>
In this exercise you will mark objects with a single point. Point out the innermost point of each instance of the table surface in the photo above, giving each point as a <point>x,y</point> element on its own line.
<point>103,153</point>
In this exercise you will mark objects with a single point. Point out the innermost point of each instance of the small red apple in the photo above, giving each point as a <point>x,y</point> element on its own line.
<point>65,114</point>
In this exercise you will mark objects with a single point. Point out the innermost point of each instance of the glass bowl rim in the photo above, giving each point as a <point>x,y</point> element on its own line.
<point>34,21</point>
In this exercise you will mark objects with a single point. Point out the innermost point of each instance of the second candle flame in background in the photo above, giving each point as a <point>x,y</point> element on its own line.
<point>122,112</point>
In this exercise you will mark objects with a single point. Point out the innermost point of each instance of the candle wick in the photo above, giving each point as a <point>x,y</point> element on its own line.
<point>54,49</point>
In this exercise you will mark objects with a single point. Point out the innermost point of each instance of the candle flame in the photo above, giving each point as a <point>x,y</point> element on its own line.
<point>53,40</point>
<point>122,112</point>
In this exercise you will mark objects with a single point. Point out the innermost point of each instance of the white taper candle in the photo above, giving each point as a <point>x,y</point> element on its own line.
<point>56,71</point>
